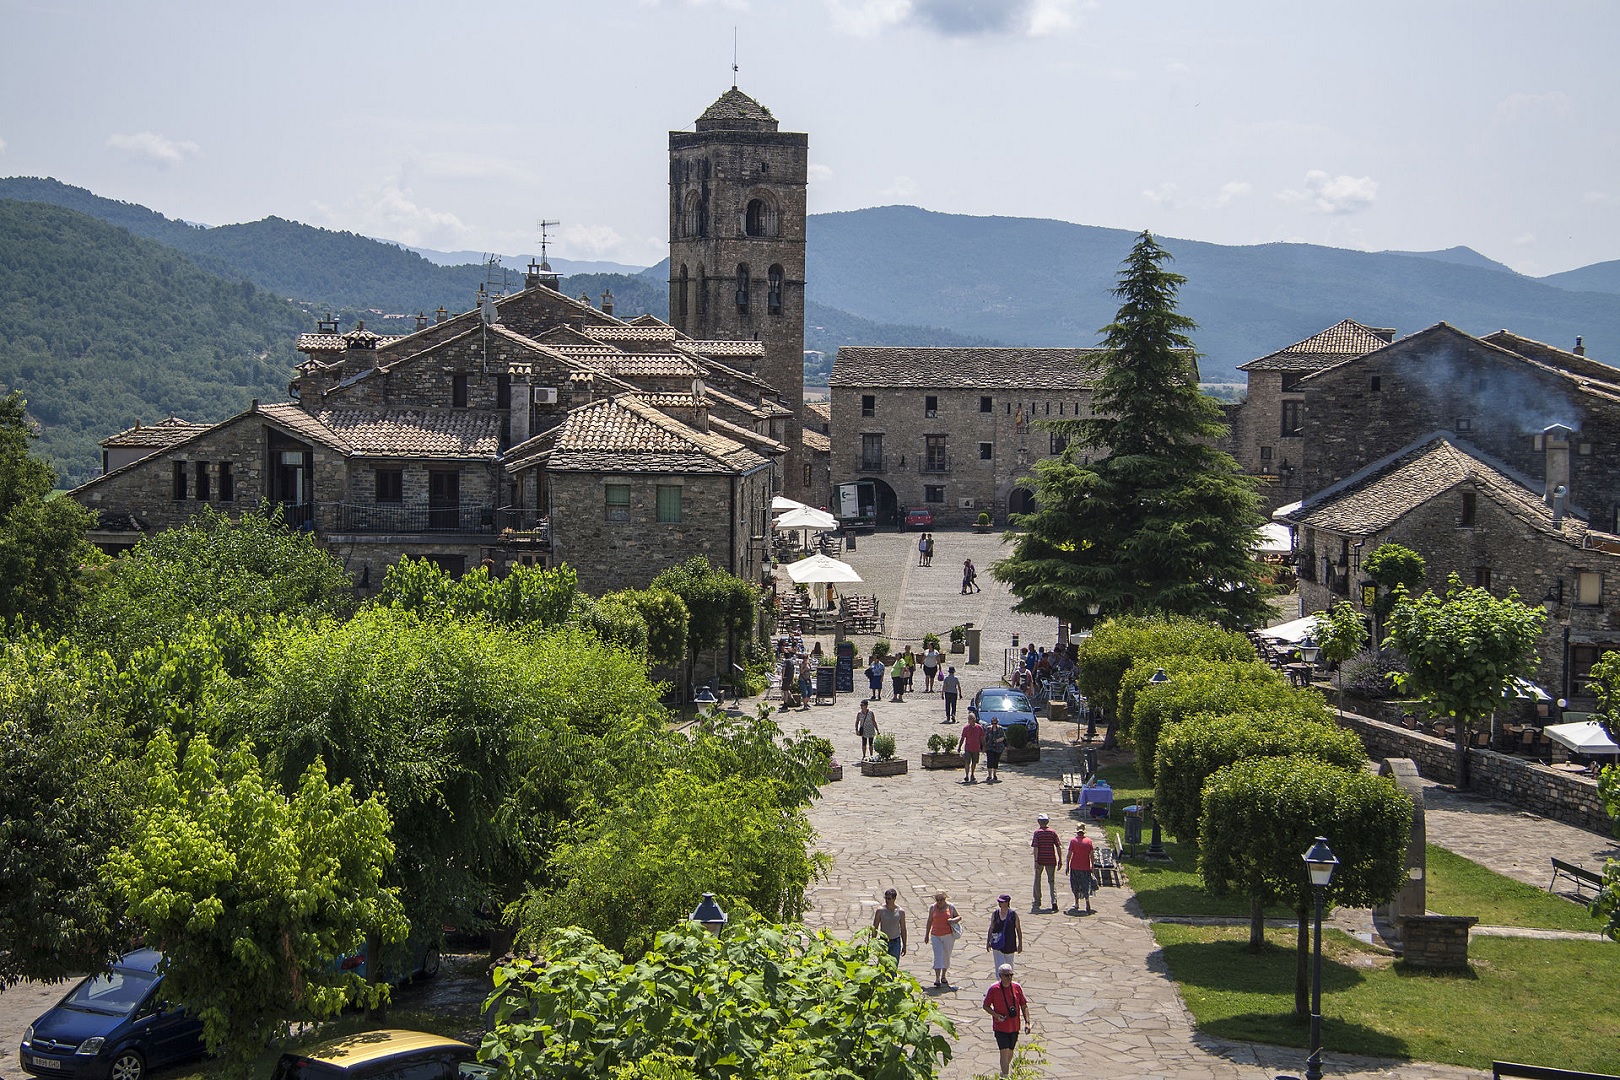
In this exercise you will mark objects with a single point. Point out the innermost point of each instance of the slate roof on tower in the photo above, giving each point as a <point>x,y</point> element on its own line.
<point>735,108</point>
<point>1342,341</point>
<point>163,434</point>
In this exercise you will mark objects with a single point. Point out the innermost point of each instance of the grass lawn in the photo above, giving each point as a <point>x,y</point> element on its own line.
<point>1541,1001</point>
<point>1459,886</point>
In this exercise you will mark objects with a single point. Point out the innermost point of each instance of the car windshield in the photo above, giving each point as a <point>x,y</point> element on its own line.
<point>1004,701</point>
<point>114,993</point>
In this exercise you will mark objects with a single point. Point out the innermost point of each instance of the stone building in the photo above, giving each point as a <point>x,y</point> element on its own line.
<point>817,468</point>
<point>952,430</point>
<point>1482,520</point>
<point>1267,430</point>
<point>737,244</point>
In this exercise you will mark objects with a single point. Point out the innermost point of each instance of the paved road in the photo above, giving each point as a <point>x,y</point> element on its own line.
<point>1103,1002</point>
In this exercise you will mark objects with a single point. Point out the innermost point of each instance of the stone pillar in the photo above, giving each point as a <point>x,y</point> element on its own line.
<point>1436,941</point>
<point>1412,900</point>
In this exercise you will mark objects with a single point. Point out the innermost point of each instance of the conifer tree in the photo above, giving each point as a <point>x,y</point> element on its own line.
<point>1163,521</point>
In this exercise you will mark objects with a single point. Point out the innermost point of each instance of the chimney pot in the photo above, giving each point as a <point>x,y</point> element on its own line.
<point>1580,347</point>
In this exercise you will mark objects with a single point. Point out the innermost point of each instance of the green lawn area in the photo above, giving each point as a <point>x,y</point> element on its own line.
<point>1518,1003</point>
<point>1459,886</point>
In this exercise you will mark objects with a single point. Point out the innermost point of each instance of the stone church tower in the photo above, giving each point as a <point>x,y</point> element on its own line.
<point>736,244</point>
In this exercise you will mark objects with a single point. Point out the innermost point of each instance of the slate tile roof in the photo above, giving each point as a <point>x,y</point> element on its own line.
<point>645,365</point>
<point>726,348</point>
<point>742,406</point>
<point>624,435</point>
<point>822,410</point>
<point>164,433</point>
<point>747,436</point>
<point>966,369</point>
<point>292,416</point>
<point>1554,357</point>
<point>1344,340</point>
<point>1395,486</point>
<point>735,105</point>
<point>627,332</point>
<point>417,433</point>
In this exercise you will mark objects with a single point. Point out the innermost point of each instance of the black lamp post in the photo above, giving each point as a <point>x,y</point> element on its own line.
<point>709,914</point>
<point>1156,841</point>
<point>1320,863</point>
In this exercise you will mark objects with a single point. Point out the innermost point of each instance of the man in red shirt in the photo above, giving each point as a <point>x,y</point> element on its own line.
<point>1046,845</point>
<point>972,743</point>
<point>1005,1003</point>
<point>1078,863</point>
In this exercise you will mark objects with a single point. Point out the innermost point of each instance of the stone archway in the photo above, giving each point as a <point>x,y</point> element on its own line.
<point>885,505</point>
<point>1021,501</point>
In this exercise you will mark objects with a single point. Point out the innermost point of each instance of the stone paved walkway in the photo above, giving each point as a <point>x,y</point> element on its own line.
<point>1103,1003</point>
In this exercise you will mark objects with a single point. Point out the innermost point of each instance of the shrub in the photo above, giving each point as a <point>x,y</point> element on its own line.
<point>1368,672</point>
<point>1119,644</point>
<point>958,635</point>
<point>1201,687</point>
<point>930,640</point>
<point>881,650</point>
<point>883,747</point>
<point>984,518</point>
<point>942,744</point>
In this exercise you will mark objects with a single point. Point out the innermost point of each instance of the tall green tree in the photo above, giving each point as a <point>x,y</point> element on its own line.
<point>1260,817</point>
<point>1463,650</point>
<point>1340,633</point>
<point>251,894</point>
<point>720,607</point>
<point>42,540</point>
<point>1163,522</point>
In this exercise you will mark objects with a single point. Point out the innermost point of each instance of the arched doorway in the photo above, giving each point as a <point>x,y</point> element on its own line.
<point>1021,501</point>
<point>885,507</point>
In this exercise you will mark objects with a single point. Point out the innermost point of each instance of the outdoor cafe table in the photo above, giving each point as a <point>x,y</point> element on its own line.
<point>1099,795</point>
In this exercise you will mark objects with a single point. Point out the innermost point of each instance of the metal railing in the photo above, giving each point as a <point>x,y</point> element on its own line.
<point>873,464</point>
<point>416,517</point>
<point>522,523</point>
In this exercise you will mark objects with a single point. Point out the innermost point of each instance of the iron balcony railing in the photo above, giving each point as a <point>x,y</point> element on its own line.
<point>522,523</point>
<point>417,517</point>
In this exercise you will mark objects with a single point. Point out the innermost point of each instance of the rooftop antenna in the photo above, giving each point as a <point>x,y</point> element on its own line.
<point>734,58</point>
<point>495,282</point>
<point>543,225</point>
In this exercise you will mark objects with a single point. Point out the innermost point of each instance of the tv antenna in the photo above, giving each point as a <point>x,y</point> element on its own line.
<point>543,225</point>
<point>495,275</point>
<point>734,58</point>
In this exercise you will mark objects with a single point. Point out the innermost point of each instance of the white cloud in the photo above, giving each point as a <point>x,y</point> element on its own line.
<point>957,18</point>
<point>151,147</point>
<point>1589,198</point>
<point>453,166</point>
<point>867,18</point>
<point>903,188</point>
<point>590,242</point>
<point>1521,106</point>
<point>820,174</point>
<point>2,146</point>
<point>1165,195</point>
<point>1334,194</point>
<point>1524,239</point>
<point>392,212</point>
<point>1176,67</point>
<point>1232,189</point>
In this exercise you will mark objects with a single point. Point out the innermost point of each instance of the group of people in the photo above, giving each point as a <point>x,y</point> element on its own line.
<point>925,549</point>
<point>903,669</point>
<point>1004,1000</point>
<point>902,673</point>
<point>798,675</point>
<point>990,739</point>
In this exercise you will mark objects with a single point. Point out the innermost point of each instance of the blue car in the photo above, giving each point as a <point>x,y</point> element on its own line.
<point>1012,707</point>
<point>113,1026</point>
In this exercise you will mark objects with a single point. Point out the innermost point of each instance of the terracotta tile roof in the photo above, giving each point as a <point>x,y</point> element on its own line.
<point>816,442</point>
<point>672,401</point>
<point>647,320</point>
<point>645,365</point>
<point>162,434</point>
<point>622,434</point>
<point>725,348</point>
<point>417,433</point>
<point>1389,489</point>
<point>626,332</point>
<point>291,416</point>
<point>966,369</point>
<point>358,337</point>
<point>1342,341</point>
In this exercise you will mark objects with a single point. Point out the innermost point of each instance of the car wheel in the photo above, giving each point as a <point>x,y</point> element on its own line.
<point>430,963</point>
<point>128,1065</point>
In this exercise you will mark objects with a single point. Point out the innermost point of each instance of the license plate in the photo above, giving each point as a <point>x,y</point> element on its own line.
<point>44,1063</point>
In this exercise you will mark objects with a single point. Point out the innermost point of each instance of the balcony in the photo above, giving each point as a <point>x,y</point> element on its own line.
<point>416,518</point>
<point>873,464</point>
<point>522,525</point>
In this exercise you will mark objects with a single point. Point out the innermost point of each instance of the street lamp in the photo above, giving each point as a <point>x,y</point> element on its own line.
<point>705,697</point>
<point>1320,864</point>
<point>1158,678</point>
<point>709,914</point>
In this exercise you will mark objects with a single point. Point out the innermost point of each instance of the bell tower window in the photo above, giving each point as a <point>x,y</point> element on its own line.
<point>742,286</point>
<point>774,296</point>
<point>759,219</point>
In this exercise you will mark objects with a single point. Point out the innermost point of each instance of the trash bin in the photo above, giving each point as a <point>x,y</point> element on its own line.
<point>1133,824</point>
<point>1091,761</point>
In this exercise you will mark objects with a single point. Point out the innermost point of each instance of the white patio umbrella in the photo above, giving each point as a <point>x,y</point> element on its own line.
<point>1291,633</point>
<point>807,517</point>
<point>1584,737</point>
<point>1274,540</point>
<point>780,503</point>
<point>818,569</point>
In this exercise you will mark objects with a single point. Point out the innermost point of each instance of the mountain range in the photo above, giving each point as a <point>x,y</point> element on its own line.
<point>97,342</point>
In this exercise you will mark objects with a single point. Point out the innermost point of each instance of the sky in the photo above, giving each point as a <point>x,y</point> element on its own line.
<point>1380,124</point>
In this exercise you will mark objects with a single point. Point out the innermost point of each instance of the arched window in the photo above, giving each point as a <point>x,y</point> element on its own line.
<point>760,218</point>
<point>692,215</point>
<point>773,298</point>
<point>742,286</point>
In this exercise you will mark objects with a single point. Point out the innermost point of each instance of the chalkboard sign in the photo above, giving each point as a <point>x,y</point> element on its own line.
<point>845,677</point>
<point>824,683</point>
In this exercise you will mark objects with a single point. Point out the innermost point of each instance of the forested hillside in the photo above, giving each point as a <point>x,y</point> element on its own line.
<point>100,328</point>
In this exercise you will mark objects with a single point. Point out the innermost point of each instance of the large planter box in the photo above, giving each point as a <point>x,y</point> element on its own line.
<point>835,772</point>
<point>1020,755</point>
<point>958,647</point>
<point>892,767</point>
<point>944,761</point>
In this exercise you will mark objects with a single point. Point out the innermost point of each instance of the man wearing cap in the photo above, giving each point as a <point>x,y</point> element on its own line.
<point>1047,848</point>
<point>1006,937</point>
<point>890,921</point>
<point>1006,1005</point>
<point>1078,864</point>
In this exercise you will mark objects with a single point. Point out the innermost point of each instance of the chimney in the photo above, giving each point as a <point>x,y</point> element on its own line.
<point>1385,334</point>
<point>1580,347</point>
<point>607,301</point>
<point>440,315</point>
<point>1556,440</point>
<point>421,321</point>
<point>1559,495</point>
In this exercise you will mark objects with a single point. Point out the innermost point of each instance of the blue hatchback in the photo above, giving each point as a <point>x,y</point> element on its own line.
<point>113,1026</point>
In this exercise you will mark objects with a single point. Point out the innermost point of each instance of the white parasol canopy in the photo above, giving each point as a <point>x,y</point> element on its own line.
<point>807,517</point>
<point>780,503</point>
<point>1274,540</point>
<point>1585,737</point>
<point>1291,633</point>
<point>818,569</point>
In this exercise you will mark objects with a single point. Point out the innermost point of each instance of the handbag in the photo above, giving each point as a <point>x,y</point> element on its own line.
<point>956,927</point>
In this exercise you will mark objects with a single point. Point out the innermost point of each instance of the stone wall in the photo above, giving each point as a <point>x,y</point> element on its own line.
<point>1256,440</point>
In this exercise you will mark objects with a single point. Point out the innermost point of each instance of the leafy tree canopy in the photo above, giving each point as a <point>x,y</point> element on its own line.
<point>527,596</point>
<point>1164,522</point>
<point>42,540</point>
<point>1116,645</point>
<point>753,1002</point>
<point>1394,566</point>
<point>251,894</point>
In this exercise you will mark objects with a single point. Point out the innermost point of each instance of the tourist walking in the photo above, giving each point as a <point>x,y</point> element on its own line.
<point>890,921</point>
<point>1047,847</point>
<point>1005,1003</point>
<point>1005,939</point>
<point>942,928</point>
<point>970,577</point>
<point>908,659</point>
<point>995,743</point>
<point>928,551</point>
<point>897,678</point>
<point>1078,863</point>
<point>807,681</point>
<point>972,743</point>
<point>931,659</point>
<point>874,678</point>
<point>950,688</point>
<point>866,726</point>
<point>922,549</point>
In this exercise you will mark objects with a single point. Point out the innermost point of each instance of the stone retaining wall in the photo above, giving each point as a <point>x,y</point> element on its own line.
<point>1525,784</point>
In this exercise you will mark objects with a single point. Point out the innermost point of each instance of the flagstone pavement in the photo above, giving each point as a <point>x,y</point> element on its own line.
<point>1103,1003</point>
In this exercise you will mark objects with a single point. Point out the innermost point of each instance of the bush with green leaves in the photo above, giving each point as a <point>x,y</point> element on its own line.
<point>1370,673</point>
<point>1194,748</point>
<point>883,747</point>
<point>1117,645</point>
<point>42,540</point>
<point>942,744</point>
<point>1261,815</point>
<point>1393,567</point>
<point>882,649</point>
<point>1200,686</point>
<point>719,605</point>
<point>526,596</point>
<point>754,1002</point>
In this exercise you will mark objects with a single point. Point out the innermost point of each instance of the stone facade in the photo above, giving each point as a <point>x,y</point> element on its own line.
<point>737,218</point>
<point>954,431</point>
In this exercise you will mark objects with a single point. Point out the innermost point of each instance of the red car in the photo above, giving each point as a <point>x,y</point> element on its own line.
<point>920,518</point>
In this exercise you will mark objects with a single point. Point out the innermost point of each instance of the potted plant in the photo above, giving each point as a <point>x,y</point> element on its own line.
<point>942,753</point>
<point>881,649</point>
<point>983,523</point>
<point>885,764</point>
<point>958,639</point>
<point>835,771</point>
<point>1020,749</point>
<point>930,640</point>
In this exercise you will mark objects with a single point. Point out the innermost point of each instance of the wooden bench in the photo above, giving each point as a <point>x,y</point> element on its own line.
<point>1070,784</point>
<point>1580,875</point>
<point>1105,862</point>
<point>1500,1069</point>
